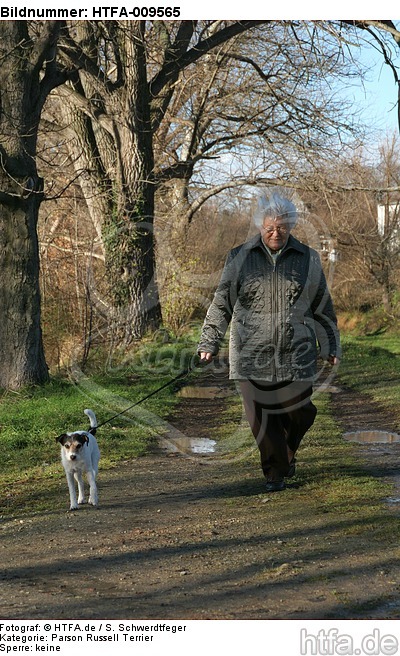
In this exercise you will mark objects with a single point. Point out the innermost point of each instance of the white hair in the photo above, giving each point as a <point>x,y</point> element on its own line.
<point>274,205</point>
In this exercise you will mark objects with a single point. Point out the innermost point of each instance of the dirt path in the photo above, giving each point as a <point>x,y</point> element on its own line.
<point>196,537</point>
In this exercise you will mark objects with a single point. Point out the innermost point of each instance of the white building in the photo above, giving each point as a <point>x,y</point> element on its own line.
<point>388,215</point>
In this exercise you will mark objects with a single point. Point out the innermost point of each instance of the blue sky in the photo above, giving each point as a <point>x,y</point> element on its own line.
<point>377,94</point>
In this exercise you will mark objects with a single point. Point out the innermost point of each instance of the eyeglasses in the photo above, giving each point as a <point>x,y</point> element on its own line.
<point>281,230</point>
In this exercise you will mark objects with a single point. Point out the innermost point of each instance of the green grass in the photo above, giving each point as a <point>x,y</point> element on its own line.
<point>371,365</point>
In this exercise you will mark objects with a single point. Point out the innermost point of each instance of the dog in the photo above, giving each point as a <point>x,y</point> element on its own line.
<point>80,453</point>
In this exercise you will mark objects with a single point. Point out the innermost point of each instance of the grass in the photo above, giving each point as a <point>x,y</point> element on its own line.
<point>371,365</point>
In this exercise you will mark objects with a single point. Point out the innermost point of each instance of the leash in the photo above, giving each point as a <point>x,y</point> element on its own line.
<point>183,373</point>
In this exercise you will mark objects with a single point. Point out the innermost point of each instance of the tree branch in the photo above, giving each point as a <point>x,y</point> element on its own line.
<point>386,26</point>
<point>88,108</point>
<point>45,44</point>
<point>72,51</point>
<point>170,71</point>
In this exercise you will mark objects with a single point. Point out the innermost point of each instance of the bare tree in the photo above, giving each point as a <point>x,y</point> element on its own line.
<point>27,75</point>
<point>266,103</point>
<point>360,205</point>
<point>152,106</point>
<point>116,102</point>
<point>385,36</point>
<point>123,78</point>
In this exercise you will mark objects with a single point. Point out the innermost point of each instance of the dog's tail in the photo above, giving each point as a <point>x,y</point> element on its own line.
<point>92,419</point>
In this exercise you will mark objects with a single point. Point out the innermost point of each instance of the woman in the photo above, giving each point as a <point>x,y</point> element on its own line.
<point>274,292</point>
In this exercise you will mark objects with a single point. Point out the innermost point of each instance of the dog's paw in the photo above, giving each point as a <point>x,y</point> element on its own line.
<point>93,502</point>
<point>72,508</point>
<point>81,502</point>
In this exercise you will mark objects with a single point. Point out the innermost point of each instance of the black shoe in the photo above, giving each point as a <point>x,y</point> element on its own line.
<point>275,486</point>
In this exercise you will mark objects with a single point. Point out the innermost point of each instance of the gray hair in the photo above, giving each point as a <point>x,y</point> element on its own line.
<point>273,206</point>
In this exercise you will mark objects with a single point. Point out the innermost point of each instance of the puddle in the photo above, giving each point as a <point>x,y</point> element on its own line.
<point>189,445</point>
<point>393,499</point>
<point>372,437</point>
<point>332,389</point>
<point>376,441</point>
<point>205,392</point>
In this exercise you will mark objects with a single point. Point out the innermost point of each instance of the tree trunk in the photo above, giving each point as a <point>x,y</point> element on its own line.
<point>87,162</point>
<point>21,348</point>
<point>130,259</point>
<point>129,244</point>
<point>120,152</point>
<point>22,360</point>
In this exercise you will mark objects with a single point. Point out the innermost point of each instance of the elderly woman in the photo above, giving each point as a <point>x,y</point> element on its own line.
<point>274,292</point>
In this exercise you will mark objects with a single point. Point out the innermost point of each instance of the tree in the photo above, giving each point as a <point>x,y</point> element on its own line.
<point>27,75</point>
<point>116,101</point>
<point>152,104</point>
<point>266,100</point>
<point>264,104</point>
<point>359,203</point>
<point>384,35</point>
<point>120,88</point>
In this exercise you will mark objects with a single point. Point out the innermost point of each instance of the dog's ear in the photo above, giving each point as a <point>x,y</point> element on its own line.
<point>62,438</point>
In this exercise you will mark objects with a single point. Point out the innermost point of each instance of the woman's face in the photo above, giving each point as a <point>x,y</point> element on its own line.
<point>275,232</point>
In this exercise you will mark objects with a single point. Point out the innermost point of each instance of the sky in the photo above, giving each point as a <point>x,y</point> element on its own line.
<point>377,95</point>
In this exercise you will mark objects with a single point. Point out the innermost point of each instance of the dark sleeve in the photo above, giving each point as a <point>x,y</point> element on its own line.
<point>220,311</point>
<point>323,312</point>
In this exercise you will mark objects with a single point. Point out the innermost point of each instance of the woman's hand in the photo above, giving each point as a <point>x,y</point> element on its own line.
<point>205,356</point>
<point>333,360</point>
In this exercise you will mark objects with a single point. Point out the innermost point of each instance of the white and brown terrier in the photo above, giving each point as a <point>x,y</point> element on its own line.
<point>80,453</point>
